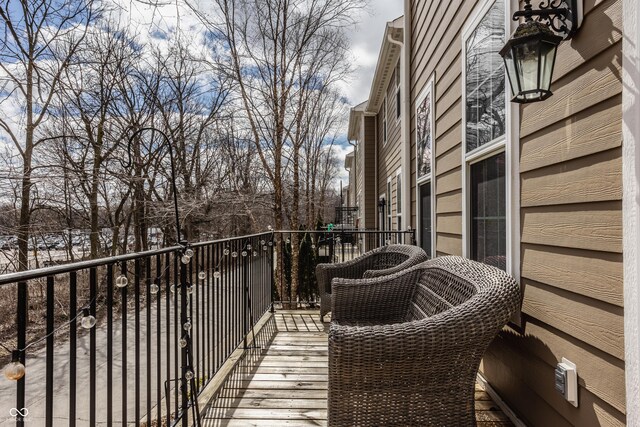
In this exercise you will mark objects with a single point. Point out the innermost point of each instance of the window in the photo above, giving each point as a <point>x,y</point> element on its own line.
<point>485,136</point>
<point>425,197</point>
<point>488,211</point>
<point>399,199</point>
<point>485,80</point>
<point>384,121</point>
<point>425,218</point>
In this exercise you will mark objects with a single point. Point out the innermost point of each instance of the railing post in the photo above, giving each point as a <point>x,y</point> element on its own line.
<point>245,292</point>
<point>272,271</point>
<point>22,342</point>
<point>184,352</point>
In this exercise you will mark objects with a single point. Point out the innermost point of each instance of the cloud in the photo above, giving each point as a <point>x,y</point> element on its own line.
<point>366,39</point>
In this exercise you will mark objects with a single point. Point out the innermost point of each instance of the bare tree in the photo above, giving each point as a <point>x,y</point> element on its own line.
<point>276,51</point>
<point>37,43</point>
<point>91,89</point>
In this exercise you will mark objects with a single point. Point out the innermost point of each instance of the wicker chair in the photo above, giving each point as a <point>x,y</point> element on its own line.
<point>405,349</point>
<point>378,262</point>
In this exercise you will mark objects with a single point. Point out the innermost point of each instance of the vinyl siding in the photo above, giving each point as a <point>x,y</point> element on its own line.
<point>389,153</point>
<point>571,226</point>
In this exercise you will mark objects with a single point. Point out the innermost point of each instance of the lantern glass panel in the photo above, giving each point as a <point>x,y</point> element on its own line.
<point>547,58</point>
<point>511,72</point>
<point>526,55</point>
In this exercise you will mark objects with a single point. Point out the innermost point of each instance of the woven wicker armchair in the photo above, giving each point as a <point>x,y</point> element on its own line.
<point>405,349</point>
<point>378,262</point>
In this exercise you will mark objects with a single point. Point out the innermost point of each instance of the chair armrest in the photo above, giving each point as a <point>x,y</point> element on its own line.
<point>379,299</point>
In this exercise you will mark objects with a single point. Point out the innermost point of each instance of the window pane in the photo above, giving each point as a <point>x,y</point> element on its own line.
<point>485,80</point>
<point>425,218</point>
<point>488,211</point>
<point>424,136</point>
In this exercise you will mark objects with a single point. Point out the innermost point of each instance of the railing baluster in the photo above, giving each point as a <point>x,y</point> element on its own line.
<point>208,308</point>
<point>158,281</point>
<point>195,286</point>
<point>73,331</point>
<point>22,316</point>
<point>167,296</point>
<point>109,344</point>
<point>123,380</point>
<point>93,291</point>
<point>136,344</point>
<point>49,356</point>
<point>177,329</point>
<point>148,340</point>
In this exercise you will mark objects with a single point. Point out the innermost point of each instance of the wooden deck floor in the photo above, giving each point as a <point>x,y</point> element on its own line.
<point>284,381</point>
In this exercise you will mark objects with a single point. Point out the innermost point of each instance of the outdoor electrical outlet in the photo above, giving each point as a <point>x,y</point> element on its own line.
<point>566,376</point>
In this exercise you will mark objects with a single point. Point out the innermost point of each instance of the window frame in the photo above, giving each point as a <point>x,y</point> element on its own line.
<point>508,143</point>
<point>428,179</point>
<point>398,179</point>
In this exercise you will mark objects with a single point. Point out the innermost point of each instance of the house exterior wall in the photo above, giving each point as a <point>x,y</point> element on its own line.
<point>389,153</point>
<point>369,201</point>
<point>570,255</point>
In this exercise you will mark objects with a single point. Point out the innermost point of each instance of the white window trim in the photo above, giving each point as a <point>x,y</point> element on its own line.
<point>398,191</point>
<point>630,208</point>
<point>428,179</point>
<point>509,143</point>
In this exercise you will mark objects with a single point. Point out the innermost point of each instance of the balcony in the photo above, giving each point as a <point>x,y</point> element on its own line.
<point>282,379</point>
<point>148,338</point>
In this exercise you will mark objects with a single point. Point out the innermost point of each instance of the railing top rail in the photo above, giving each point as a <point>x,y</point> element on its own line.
<point>346,230</point>
<point>23,276</point>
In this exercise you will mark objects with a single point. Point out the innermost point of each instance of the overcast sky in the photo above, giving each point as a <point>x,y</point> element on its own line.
<point>366,40</point>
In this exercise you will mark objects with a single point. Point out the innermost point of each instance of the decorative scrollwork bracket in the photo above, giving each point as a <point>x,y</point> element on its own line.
<point>562,16</point>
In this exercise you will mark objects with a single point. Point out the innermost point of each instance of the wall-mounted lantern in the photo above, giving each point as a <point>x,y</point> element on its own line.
<point>381,204</point>
<point>530,53</point>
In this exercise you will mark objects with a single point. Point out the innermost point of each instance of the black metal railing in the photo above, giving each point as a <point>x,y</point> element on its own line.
<point>324,247</point>
<point>133,338</point>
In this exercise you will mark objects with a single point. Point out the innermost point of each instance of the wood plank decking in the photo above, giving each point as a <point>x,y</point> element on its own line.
<point>284,381</point>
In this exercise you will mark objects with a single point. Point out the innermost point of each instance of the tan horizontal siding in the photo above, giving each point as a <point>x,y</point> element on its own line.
<point>592,321</point>
<point>570,165</point>
<point>594,274</point>
<point>590,131</point>
<point>600,373</point>
<point>594,226</point>
<point>449,202</point>
<point>527,379</point>
<point>593,178</point>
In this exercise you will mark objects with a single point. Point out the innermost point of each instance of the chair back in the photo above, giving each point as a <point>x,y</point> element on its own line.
<point>451,281</point>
